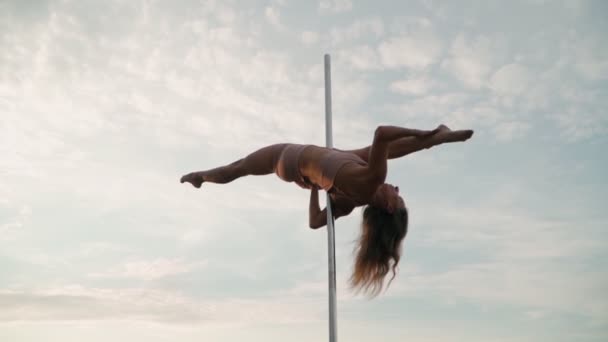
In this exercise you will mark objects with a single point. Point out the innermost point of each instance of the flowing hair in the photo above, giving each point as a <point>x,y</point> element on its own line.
<point>378,249</point>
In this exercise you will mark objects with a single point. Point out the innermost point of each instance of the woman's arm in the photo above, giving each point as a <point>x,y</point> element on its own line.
<point>314,211</point>
<point>317,218</point>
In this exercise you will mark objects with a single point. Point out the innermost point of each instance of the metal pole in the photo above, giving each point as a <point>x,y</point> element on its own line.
<point>331,234</point>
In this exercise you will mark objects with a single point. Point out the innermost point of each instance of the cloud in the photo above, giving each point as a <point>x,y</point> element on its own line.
<point>335,6</point>
<point>102,114</point>
<point>576,125</point>
<point>436,107</point>
<point>350,94</point>
<point>150,270</point>
<point>361,57</point>
<point>414,86</point>
<point>567,90</point>
<point>75,302</point>
<point>309,37</point>
<point>509,131</point>
<point>226,15</point>
<point>471,59</point>
<point>522,259</point>
<point>527,286</point>
<point>594,69</point>
<point>78,303</point>
<point>95,146</point>
<point>410,51</point>
<point>10,229</point>
<point>567,101</point>
<point>511,79</point>
<point>157,100</point>
<point>369,28</point>
<point>273,16</point>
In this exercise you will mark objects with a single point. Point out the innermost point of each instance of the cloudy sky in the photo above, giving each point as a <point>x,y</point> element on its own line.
<point>105,104</point>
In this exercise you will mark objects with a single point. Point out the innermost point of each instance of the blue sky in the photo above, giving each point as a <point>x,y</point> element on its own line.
<point>104,105</point>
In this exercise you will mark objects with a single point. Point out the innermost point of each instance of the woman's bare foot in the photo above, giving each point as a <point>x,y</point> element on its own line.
<point>194,178</point>
<point>454,136</point>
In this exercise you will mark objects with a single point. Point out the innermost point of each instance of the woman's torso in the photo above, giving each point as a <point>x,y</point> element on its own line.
<point>343,174</point>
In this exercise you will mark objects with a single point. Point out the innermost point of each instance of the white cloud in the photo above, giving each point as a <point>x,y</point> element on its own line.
<point>335,6</point>
<point>361,57</point>
<point>435,108</point>
<point>193,236</point>
<point>76,302</point>
<point>414,86</point>
<point>150,270</point>
<point>99,121</point>
<point>226,15</point>
<point>96,249</point>
<point>471,60</point>
<point>92,144</point>
<point>349,95</point>
<point>525,285</point>
<point>587,54</point>
<point>594,69</point>
<point>10,229</point>
<point>410,51</point>
<point>309,37</point>
<point>509,131</point>
<point>370,28</point>
<point>522,257</point>
<point>273,15</point>
<point>568,88</point>
<point>578,124</point>
<point>511,79</point>
<point>536,314</point>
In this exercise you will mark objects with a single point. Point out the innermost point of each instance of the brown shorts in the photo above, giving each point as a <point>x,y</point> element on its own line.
<point>288,165</point>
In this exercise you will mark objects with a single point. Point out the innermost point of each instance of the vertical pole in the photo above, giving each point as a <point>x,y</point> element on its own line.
<point>331,234</point>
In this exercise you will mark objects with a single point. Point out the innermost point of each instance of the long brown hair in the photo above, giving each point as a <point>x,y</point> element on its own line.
<point>378,249</point>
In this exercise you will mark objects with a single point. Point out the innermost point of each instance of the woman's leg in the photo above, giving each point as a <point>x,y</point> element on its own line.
<point>260,162</point>
<point>405,146</point>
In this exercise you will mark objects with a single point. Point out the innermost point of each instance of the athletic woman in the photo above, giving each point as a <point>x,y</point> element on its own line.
<point>352,178</point>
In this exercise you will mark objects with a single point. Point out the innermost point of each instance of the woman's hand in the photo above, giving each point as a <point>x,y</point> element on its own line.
<point>315,218</point>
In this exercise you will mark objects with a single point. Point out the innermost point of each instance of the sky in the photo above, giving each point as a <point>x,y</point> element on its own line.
<point>104,105</point>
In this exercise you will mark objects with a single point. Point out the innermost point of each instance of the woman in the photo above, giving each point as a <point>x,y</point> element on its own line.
<point>352,178</point>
